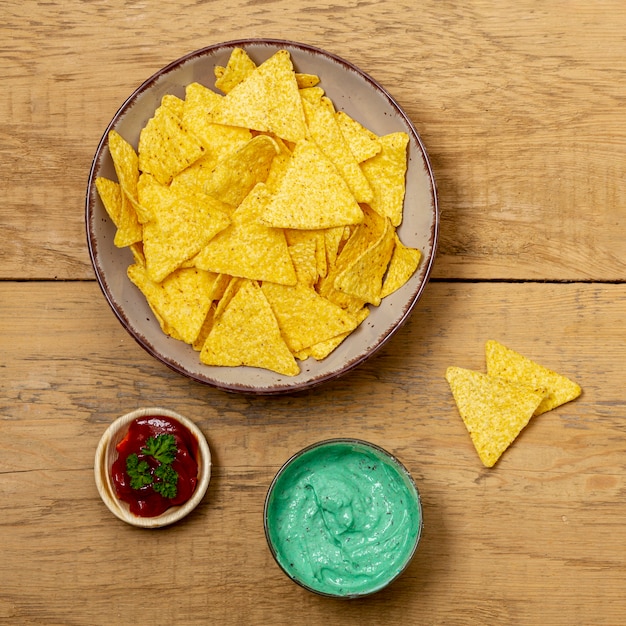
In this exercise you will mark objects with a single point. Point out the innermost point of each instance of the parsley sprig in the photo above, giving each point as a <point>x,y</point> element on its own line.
<point>164,477</point>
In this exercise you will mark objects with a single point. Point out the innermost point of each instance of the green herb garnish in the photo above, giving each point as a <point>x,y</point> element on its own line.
<point>163,448</point>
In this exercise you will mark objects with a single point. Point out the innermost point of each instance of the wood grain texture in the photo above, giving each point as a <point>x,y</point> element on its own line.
<point>537,539</point>
<point>521,109</point>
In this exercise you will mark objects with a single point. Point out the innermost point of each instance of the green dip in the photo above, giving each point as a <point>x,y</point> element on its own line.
<point>343,518</point>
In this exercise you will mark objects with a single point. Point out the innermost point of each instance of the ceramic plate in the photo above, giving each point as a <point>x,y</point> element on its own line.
<point>352,91</point>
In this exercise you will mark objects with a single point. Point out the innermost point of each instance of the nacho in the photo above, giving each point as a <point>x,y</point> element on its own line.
<point>386,173</point>
<point>248,248</point>
<point>312,194</point>
<point>493,410</point>
<point>247,333</point>
<point>510,365</point>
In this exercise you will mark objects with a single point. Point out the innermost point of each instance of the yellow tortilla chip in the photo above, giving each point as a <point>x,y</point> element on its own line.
<point>312,194</point>
<point>304,261</point>
<point>247,333</point>
<point>248,248</point>
<point>363,142</point>
<point>166,147</point>
<point>206,328</point>
<point>239,67</point>
<point>493,410</point>
<point>305,81</point>
<point>174,103</point>
<point>219,140</point>
<point>182,226</point>
<point>321,350</point>
<point>404,262</point>
<point>510,365</point>
<point>237,173</point>
<point>125,162</point>
<point>304,317</point>
<point>181,300</point>
<point>364,278</point>
<point>267,100</point>
<point>110,193</point>
<point>386,174</point>
<point>325,132</point>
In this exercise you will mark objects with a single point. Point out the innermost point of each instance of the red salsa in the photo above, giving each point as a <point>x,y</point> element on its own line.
<point>157,465</point>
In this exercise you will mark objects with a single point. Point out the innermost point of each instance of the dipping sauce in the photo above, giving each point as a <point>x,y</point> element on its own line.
<point>343,518</point>
<point>157,465</point>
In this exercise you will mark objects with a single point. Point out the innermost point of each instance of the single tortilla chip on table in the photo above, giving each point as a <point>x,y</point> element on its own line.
<point>510,365</point>
<point>493,410</point>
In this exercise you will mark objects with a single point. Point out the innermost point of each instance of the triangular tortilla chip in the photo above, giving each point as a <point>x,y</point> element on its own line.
<point>182,226</point>
<point>363,142</point>
<point>182,300</point>
<point>510,365</point>
<point>266,100</point>
<point>249,248</point>
<point>166,147</point>
<point>325,132</point>
<point>304,317</point>
<point>219,140</point>
<point>234,175</point>
<point>494,410</point>
<point>363,279</point>
<point>404,262</point>
<point>312,194</point>
<point>247,333</point>
<point>386,174</point>
<point>239,67</point>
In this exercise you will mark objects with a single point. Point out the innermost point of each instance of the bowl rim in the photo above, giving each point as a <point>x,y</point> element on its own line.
<point>393,461</point>
<point>288,386</point>
<point>104,483</point>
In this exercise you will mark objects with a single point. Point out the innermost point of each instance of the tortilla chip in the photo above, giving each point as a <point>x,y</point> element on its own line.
<point>321,350</point>
<point>304,261</point>
<point>174,103</point>
<point>166,147</point>
<point>312,194</point>
<point>304,317</point>
<point>249,248</point>
<point>305,81</point>
<point>386,174</point>
<point>247,333</point>
<point>182,299</point>
<point>239,67</point>
<point>325,132</point>
<point>510,365</point>
<point>110,193</point>
<point>363,142</point>
<point>237,173</point>
<point>267,100</point>
<point>493,410</point>
<point>404,262</point>
<point>182,226</point>
<point>364,278</point>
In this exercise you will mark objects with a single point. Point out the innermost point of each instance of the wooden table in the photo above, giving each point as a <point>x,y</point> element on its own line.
<point>522,111</point>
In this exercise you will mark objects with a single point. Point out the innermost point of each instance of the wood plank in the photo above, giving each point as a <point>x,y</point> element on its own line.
<point>520,108</point>
<point>537,539</point>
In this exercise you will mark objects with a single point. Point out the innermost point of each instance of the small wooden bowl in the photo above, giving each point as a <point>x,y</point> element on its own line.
<point>106,454</point>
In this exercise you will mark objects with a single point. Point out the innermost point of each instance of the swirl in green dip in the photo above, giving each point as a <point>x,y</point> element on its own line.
<point>343,518</point>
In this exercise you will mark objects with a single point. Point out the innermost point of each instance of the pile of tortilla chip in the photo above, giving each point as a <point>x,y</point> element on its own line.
<point>496,406</point>
<point>262,221</point>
